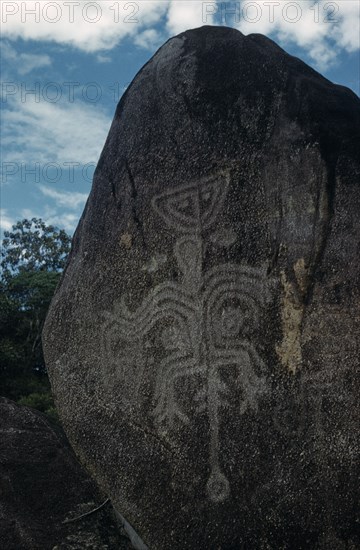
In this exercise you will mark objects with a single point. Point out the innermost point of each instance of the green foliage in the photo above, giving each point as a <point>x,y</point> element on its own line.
<point>42,402</point>
<point>33,256</point>
<point>33,246</point>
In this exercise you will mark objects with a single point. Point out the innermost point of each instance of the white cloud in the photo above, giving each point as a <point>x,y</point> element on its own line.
<point>64,220</point>
<point>6,222</point>
<point>51,216</point>
<point>188,14</point>
<point>89,26</point>
<point>44,132</point>
<point>347,31</point>
<point>320,28</point>
<point>68,199</point>
<point>149,39</point>
<point>103,58</point>
<point>24,63</point>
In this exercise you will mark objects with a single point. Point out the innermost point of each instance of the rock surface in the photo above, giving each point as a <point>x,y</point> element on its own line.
<point>204,340</point>
<point>42,485</point>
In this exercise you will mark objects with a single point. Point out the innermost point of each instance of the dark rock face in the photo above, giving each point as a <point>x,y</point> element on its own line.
<point>204,340</point>
<point>42,485</point>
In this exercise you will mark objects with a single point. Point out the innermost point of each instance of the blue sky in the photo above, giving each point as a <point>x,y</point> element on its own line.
<point>78,57</point>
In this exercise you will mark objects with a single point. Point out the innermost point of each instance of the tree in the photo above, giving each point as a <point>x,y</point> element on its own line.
<point>32,258</point>
<point>34,246</point>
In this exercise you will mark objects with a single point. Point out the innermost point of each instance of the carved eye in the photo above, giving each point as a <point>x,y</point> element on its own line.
<point>206,196</point>
<point>171,338</point>
<point>184,204</point>
<point>231,321</point>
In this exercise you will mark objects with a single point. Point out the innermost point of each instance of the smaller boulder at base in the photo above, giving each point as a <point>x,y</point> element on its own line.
<point>43,486</point>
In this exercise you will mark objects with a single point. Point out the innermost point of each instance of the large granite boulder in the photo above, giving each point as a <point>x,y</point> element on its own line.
<point>45,495</point>
<point>203,342</point>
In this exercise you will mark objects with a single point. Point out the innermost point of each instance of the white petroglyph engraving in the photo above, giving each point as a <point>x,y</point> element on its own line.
<point>212,314</point>
<point>154,263</point>
<point>224,237</point>
<point>194,207</point>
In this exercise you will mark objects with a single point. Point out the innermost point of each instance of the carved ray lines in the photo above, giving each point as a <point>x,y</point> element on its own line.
<point>193,207</point>
<point>209,318</point>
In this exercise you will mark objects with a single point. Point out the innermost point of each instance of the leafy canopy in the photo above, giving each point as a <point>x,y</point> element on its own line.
<point>32,257</point>
<point>34,246</point>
